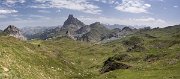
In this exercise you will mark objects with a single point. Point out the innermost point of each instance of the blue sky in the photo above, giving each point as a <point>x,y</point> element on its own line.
<point>155,13</point>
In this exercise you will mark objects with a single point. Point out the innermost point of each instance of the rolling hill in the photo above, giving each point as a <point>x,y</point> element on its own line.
<point>146,54</point>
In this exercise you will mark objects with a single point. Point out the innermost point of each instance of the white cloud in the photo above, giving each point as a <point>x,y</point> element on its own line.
<point>161,0</point>
<point>133,6</point>
<point>58,11</point>
<point>158,0</point>
<point>6,11</point>
<point>79,5</point>
<point>11,3</point>
<point>47,21</point>
<point>149,21</point>
<point>108,1</point>
<point>14,1</point>
<point>175,6</point>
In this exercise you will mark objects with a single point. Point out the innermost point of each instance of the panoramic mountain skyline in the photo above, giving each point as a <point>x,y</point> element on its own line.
<point>155,13</point>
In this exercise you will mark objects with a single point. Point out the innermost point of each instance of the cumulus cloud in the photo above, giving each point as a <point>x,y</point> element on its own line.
<point>149,20</point>
<point>175,6</point>
<point>6,11</point>
<point>133,6</point>
<point>78,5</point>
<point>11,3</point>
<point>14,1</point>
<point>108,1</point>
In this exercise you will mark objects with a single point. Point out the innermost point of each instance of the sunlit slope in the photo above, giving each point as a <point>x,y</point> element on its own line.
<point>61,58</point>
<point>20,59</point>
<point>154,55</point>
<point>151,54</point>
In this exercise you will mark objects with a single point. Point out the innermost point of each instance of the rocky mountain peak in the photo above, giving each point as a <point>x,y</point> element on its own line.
<point>126,29</point>
<point>72,20</point>
<point>70,16</point>
<point>71,25</point>
<point>96,23</point>
<point>11,30</point>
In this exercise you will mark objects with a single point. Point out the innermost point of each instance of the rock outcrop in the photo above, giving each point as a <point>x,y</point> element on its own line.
<point>114,63</point>
<point>11,30</point>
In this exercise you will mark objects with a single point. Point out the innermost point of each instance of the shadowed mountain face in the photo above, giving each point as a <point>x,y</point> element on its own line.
<point>96,33</point>
<point>83,30</point>
<point>73,21</point>
<point>77,30</point>
<point>11,30</point>
<point>71,25</point>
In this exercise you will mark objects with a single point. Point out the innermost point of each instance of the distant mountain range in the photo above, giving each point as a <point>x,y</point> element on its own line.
<point>32,31</point>
<point>74,29</point>
<point>117,26</point>
<point>77,30</point>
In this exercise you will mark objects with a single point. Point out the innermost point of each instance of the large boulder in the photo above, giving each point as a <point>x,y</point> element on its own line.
<point>114,63</point>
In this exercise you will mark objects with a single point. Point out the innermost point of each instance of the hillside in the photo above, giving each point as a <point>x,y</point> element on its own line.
<point>149,54</point>
<point>53,59</point>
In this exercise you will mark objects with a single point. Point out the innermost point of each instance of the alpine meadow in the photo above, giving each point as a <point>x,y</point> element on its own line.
<point>89,39</point>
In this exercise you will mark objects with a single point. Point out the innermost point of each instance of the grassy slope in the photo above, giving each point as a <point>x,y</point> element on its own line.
<point>66,59</point>
<point>166,67</point>
<point>52,59</point>
<point>24,60</point>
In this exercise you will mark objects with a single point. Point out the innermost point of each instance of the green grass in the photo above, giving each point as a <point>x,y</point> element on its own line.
<point>63,58</point>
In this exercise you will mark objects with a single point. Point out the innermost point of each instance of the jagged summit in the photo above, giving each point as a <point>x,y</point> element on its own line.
<point>11,30</point>
<point>74,21</point>
<point>71,25</point>
<point>70,16</point>
<point>127,29</point>
<point>96,23</point>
